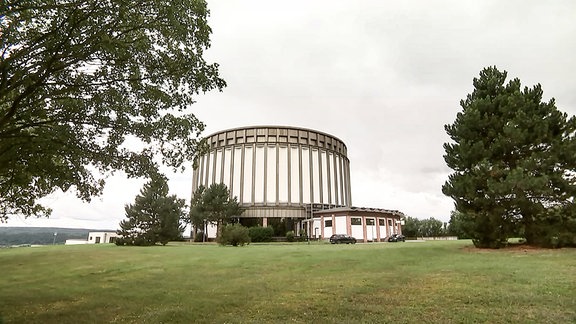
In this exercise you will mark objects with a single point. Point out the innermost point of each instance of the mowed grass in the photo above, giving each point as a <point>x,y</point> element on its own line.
<point>428,282</point>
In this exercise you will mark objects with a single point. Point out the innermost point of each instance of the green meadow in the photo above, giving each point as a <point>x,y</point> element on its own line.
<point>429,282</point>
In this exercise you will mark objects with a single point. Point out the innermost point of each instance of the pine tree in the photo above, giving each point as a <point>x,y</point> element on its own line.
<point>213,205</point>
<point>513,158</point>
<point>154,217</point>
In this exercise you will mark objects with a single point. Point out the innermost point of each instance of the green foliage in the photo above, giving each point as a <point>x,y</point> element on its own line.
<point>459,225</point>
<point>213,205</point>
<point>154,217</point>
<point>234,234</point>
<point>260,234</point>
<point>411,227</point>
<point>199,236</point>
<point>430,227</point>
<point>557,230</point>
<point>513,158</point>
<point>290,237</point>
<point>78,79</point>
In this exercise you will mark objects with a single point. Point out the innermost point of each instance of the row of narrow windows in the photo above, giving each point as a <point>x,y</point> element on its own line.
<point>324,141</point>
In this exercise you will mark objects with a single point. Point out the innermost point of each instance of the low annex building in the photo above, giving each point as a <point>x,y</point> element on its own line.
<point>364,224</point>
<point>95,238</point>
<point>290,175</point>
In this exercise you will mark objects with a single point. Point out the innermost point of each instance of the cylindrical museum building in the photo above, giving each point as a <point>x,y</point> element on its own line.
<point>277,171</point>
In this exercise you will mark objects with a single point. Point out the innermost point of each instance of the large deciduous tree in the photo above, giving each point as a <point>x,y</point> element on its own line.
<point>154,217</point>
<point>514,158</point>
<point>89,87</point>
<point>213,205</point>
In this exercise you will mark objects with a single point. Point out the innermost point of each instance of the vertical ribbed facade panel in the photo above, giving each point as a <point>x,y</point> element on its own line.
<point>277,166</point>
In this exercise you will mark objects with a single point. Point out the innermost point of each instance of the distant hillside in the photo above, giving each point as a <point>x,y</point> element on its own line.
<point>42,235</point>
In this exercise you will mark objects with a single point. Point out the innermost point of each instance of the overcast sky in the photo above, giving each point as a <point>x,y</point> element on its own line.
<point>383,76</point>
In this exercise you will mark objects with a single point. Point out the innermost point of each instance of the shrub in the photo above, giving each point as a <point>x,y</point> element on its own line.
<point>260,234</point>
<point>290,236</point>
<point>199,237</point>
<point>234,235</point>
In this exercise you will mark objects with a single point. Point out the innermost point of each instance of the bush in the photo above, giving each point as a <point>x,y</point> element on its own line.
<point>234,235</point>
<point>134,241</point>
<point>199,237</point>
<point>260,234</point>
<point>290,236</point>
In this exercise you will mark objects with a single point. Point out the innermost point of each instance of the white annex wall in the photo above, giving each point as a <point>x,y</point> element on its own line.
<point>371,233</point>
<point>316,228</point>
<point>340,225</point>
<point>358,230</point>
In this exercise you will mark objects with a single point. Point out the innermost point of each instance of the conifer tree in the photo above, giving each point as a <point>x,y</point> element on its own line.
<point>213,205</point>
<point>514,158</point>
<point>154,217</point>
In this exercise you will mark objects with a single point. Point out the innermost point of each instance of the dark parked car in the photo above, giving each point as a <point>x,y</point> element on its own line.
<point>397,238</point>
<point>342,238</point>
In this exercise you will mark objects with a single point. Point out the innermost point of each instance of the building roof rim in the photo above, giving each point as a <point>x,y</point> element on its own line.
<point>275,126</point>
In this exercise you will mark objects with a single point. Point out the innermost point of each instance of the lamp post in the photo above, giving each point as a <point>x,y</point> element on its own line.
<point>54,240</point>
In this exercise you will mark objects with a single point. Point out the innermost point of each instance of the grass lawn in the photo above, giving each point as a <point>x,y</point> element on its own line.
<point>428,282</point>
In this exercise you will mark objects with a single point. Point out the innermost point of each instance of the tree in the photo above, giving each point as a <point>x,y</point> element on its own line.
<point>411,227</point>
<point>213,205</point>
<point>198,217</point>
<point>154,217</point>
<point>514,158</point>
<point>90,87</point>
<point>431,227</point>
<point>459,225</point>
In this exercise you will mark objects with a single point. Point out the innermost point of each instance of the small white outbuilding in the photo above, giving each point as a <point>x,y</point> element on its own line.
<point>102,237</point>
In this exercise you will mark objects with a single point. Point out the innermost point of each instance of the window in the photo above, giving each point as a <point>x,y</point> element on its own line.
<point>356,221</point>
<point>381,222</point>
<point>328,223</point>
<point>389,222</point>
<point>369,221</point>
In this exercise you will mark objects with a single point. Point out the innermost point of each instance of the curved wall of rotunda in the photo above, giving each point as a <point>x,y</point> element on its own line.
<point>277,171</point>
